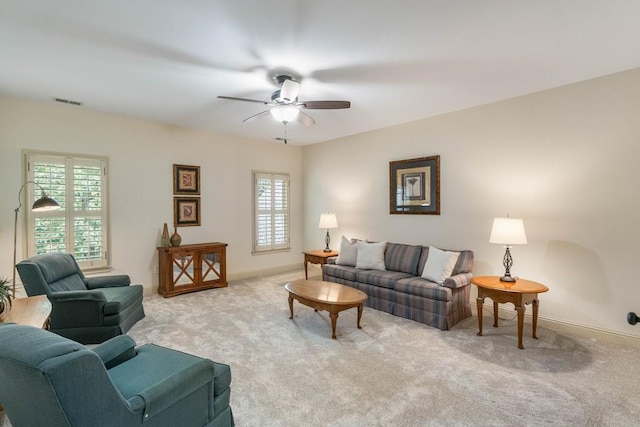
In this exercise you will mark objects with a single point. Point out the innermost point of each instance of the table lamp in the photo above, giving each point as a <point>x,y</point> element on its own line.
<point>328,220</point>
<point>44,203</point>
<point>508,231</point>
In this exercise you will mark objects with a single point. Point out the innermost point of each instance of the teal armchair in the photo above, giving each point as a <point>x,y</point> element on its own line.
<point>87,310</point>
<point>49,380</point>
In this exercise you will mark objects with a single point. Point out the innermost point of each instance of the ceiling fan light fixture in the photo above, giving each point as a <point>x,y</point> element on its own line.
<point>285,113</point>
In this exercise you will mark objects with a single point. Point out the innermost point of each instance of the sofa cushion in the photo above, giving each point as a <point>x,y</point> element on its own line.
<point>383,279</point>
<point>348,252</point>
<point>371,255</point>
<point>404,258</point>
<point>340,271</point>
<point>423,288</point>
<point>439,265</point>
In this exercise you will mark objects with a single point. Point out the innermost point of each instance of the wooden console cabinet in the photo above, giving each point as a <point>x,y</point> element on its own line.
<point>190,268</point>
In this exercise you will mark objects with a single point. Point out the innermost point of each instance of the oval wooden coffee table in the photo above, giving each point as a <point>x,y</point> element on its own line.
<point>327,296</point>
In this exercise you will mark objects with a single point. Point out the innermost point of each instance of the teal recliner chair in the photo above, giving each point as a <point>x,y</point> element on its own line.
<point>49,380</point>
<point>88,310</point>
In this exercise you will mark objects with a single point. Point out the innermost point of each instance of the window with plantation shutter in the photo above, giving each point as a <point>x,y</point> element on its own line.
<point>271,211</point>
<point>79,185</point>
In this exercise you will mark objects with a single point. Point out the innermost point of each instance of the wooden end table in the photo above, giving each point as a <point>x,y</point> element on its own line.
<point>317,257</point>
<point>328,296</point>
<point>519,293</point>
<point>32,311</point>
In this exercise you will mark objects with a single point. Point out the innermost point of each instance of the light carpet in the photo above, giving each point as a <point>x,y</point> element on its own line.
<point>393,371</point>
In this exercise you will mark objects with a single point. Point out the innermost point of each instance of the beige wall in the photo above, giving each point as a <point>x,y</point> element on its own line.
<point>565,160</point>
<point>141,155</point>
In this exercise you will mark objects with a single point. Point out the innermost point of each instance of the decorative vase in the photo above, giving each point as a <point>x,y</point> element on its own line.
<point>175,238</point>
<point>164,240</point>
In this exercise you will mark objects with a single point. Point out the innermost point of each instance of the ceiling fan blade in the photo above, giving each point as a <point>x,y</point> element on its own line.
<point>289,91</point>
<point>256,116</point>
<point>233,98</point>
<point>325,105</point>
<point>305,119</point>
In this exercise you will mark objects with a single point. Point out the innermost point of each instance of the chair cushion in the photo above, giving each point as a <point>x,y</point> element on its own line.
<point>118,299</point>
<point>56,266</point>
<point>69,283</point>
<point>32,346</point>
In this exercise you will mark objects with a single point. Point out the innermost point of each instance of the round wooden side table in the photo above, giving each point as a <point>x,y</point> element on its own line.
<point>519,293</point>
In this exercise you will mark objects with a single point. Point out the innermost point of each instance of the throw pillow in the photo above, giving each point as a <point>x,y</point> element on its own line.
<point>371,255</point>
<point>439,265</point>
<point>348,252</point>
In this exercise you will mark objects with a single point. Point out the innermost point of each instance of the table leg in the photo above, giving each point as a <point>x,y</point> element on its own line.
<point>360,310</point>
<point>479,302</point>
<point>334,320</point>
<point>291,306</point>
<point>306,274</point>
<point>535,317</point>
<point>495,314</point>
<point>520,310</point>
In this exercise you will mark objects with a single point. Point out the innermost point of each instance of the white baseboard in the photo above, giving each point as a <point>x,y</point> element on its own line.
<point>264,272</point>
<point>564,326</point>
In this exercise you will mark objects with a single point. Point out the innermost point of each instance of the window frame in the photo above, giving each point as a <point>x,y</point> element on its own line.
<point>32,192</point>
<point>257,212</point>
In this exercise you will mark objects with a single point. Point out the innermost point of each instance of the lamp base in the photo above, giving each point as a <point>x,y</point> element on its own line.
<point>508,279</point>
<point>326,250</point>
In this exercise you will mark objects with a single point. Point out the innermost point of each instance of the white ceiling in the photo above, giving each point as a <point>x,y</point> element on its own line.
<point>396,61</point>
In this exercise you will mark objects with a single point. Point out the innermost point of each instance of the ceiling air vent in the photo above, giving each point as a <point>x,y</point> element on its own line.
<point>68,101</point>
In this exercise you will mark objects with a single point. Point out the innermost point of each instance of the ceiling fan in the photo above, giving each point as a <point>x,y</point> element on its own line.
<point>285,106</point>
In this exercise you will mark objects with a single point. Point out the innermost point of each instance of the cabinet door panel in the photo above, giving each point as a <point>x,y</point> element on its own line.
<point>210,266</point>
<point>183,270</point>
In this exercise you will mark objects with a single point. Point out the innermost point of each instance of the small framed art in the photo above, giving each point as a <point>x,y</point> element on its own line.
<point>186,180</point>
<point>186,211</point>
<point>414,186</point>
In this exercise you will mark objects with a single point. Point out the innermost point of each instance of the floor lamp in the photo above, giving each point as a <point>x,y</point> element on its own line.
<point>44,203</point>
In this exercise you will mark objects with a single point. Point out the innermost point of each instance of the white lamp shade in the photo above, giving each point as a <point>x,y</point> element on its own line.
<point>284,113</point>
<point>328,220</point>
<point>508,231</point>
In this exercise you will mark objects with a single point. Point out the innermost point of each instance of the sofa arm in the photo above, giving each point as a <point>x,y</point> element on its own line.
<point>458,280</point>
<point>113,281</point>
<point>332,260</point>
<point>173,388</point>
<point>116,350</point>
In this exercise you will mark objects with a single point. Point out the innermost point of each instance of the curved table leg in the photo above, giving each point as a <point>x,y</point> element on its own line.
<point>360,310</point>
<point>334,320</point>
<point>520,310</point>
<point>535,317</point>
<point>479,302</point>
<point>291,306</point>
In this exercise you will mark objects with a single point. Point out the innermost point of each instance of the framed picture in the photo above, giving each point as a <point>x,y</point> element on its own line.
<point>414,186</point>
<point>186,211</point>
<point>186,180</point>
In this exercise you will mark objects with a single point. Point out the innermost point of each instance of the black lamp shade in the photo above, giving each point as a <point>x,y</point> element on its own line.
<point>45,203</point>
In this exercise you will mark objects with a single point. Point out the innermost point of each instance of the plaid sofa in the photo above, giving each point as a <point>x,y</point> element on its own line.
<point>401,291</point>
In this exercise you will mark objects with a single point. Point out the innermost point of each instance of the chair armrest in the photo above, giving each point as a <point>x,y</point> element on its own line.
<point>173,388</point>
<point>458,280</point>
<point>114,281</point>
<point>66,296</point>
<point>77,309</point>
<point>116,350</point>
